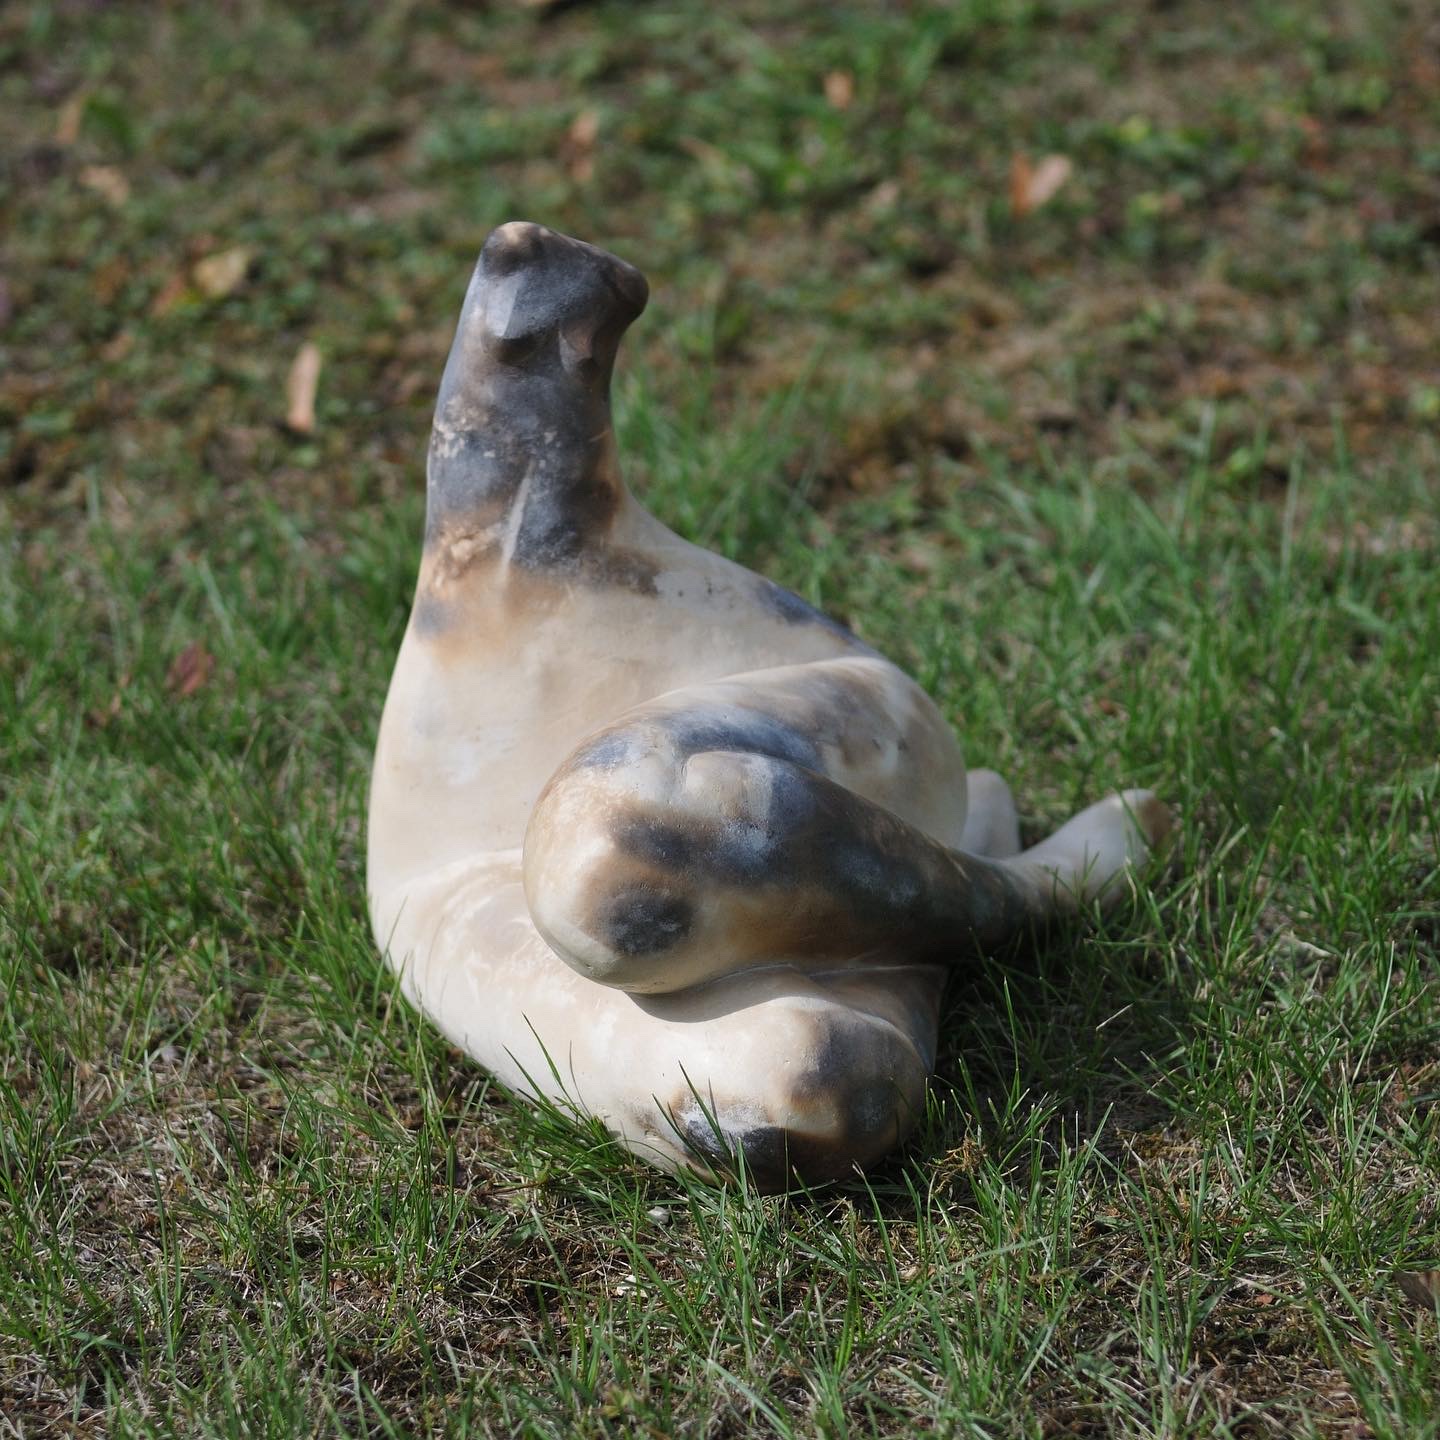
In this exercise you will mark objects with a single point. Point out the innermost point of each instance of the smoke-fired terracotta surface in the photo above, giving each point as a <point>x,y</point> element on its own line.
<point>648,835</point>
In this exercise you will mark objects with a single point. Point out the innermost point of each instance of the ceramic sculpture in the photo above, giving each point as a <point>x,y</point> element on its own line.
<point>649,836</point>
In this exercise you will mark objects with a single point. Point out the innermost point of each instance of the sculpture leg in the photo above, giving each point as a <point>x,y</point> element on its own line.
<point>992,826</point>
<point>800,1074</point>
<point>700,837</point>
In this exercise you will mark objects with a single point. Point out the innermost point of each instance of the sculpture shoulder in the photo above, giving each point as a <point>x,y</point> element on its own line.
<point>725,603</point>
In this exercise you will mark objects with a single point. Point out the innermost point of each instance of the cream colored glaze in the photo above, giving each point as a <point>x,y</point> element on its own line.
<point>482,711</point>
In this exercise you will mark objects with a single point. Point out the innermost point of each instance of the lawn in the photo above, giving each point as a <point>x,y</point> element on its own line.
<point>1140,478</point>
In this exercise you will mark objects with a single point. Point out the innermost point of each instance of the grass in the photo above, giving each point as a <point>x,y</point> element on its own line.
<point>1141,486</point>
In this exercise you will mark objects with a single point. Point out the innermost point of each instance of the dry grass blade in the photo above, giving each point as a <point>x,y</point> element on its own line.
<point>300,387</point>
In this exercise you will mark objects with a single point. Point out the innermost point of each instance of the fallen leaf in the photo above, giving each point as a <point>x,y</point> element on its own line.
<point>840,89</point>
<point>189,670</point>
<point>585,127</point>
<point>704,151</point>
<point>1021,175</point>
<point>1032,186</point>
<point>218,275</point>
<point>300,386</point>
<point>108,181</point>
<point>169,295</point>
<point>1317,143</point>
<point>68,121</point>
<point>921,558</point>
<point>396,205</point>
<point>578,149</point>
<point>882,197</point>
<point>7,305</point>
<point>1421,1286</point>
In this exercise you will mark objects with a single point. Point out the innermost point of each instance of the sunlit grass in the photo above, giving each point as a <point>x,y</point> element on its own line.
<point>1142,490</point>
<point>1168,1166</point>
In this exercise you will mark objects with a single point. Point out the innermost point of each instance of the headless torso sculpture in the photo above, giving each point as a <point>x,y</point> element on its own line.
<point>649,836</point>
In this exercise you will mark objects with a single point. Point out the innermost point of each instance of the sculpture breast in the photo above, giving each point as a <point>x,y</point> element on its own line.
<point>648,835</point>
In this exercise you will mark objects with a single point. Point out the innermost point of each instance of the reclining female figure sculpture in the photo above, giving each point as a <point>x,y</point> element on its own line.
<point>648,835</point>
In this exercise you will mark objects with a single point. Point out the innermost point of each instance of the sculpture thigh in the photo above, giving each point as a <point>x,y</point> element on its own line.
<point>792,1016</point>
<point>783,816</point>
<point>728,929</point>
<point>808,1071</point>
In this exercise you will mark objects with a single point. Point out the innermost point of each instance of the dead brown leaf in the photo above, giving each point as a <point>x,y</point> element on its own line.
<point>220,274</point>
<point>882,198</point>
<point>840,89</point>
<point>300,387</point>
<point>703,151</point>
<point>68,121</point>
<point>1317,142</point>
<point>189,670</point>
<point>1422,1287</point>
<point>578,147</point>
<point>169,295</point>
<point>1032,186</point>
<point>108,181</point>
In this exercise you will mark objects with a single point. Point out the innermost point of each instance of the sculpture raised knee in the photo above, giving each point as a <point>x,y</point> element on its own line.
<point>632,800</point>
